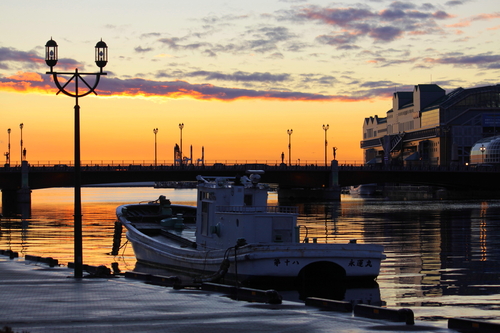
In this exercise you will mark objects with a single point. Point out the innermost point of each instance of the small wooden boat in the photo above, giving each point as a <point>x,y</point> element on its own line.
<point>233,234</point>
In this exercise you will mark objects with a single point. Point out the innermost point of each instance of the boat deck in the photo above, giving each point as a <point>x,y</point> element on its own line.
<point>185,238</point>
<point>150,213</point>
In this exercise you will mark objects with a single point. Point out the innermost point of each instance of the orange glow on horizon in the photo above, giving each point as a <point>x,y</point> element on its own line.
<point>249,126</point>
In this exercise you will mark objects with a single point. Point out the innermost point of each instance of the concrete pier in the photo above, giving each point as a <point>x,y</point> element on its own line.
<point>37,298</point>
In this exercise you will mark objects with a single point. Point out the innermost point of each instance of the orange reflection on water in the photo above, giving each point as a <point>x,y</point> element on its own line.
<point>49,233</point>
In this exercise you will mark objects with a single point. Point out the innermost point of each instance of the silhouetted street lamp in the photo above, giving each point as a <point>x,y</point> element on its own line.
<point>155,131</point>
<point>326,127</point>
<point>181,126</point>
<point>101,59</point>
<point>8,147</point>
<point>482,149</point>
<point>21,125</point>
<point>289,132</point>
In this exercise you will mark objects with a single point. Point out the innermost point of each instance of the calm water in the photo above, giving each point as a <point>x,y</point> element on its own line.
<point>443,258</point>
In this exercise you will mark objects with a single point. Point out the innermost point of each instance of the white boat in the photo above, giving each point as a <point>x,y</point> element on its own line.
<point>237,236</point>
<point>366,191</point>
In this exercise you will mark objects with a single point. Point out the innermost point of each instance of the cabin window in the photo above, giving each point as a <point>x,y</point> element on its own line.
<point>248,200</point>
<point>204,218</point>
<point>207,196</point>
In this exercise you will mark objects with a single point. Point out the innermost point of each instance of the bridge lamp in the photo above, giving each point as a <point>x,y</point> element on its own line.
<point>289,132</point>
<point>101,59</point>
<point>181,126</point>
<point>21,125</point>
<point>155,131</point>
<point>482,149</point>
<point>8,145</point>
<point>325,128</point>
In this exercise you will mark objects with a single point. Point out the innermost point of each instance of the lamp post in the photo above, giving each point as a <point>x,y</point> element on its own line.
<point>289,132</point>
<point>155,131</point>
<point>325,128</point>
<point>8,147</point>
<point>181,126</point>
<point>101,59</point>
<point>21,125</point>
<point>482,149</point>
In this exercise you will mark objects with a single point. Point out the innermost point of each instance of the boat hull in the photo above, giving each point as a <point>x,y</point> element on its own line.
<point>274,264</point>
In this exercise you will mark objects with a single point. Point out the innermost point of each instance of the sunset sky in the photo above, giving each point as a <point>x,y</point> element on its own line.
<point>238,74</point>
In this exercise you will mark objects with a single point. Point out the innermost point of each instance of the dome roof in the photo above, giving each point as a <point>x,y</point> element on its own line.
<point>486,151</point>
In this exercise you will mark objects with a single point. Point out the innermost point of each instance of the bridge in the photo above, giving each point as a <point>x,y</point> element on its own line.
<point>296,177</point>
<point>287,177</point>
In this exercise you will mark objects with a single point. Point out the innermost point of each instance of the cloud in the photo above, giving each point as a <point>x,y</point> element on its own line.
<point>353,23</point>
<point>37,83</point>
<point>322,80</point>
<point>150,35</point>
<point>260,39</point>
<point>455,3</point>
<point>26,82</point>
<point>9,54</point>
<point>139,49</point>
<point>183,89</point>
<point>277,55</point>
<point>240,76</point>
<point>378,84</point>
<point>174,44</point>
<point>481,17</point>
<point>481,60</point>
<point>31,60</point>
<point>385,33</point>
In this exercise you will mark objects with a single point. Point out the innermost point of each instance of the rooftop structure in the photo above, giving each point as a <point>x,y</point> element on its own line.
<point>428,126</point>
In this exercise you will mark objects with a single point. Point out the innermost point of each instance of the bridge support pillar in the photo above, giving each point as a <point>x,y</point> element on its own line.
<point>329,193</point>
<point>334,187</point>
<point>17,202</point>
<point>307,195</point>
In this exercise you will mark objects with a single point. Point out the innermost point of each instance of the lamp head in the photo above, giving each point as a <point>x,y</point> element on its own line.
<point>101,54</point>
<point>51,53</point>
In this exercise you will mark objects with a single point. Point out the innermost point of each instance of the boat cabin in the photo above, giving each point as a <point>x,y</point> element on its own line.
<point>235,208</point>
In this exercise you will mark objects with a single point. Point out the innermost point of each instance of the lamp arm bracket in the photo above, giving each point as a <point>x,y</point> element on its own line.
<point>77,76</point>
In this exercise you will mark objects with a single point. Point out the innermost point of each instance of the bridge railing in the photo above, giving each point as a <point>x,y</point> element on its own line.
<point>118,166</point>
<point>61,164</point>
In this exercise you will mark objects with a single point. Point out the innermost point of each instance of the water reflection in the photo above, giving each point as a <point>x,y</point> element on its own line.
<point>438,253</point>
<point>443,258</point>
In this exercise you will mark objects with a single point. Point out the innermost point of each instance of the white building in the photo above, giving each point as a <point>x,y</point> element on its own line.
<point>428,126</point>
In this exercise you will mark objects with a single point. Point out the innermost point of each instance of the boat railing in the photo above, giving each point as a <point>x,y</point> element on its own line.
<point>257,209</point>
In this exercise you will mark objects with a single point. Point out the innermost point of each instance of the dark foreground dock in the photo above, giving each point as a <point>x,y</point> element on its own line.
<point>37,298</point>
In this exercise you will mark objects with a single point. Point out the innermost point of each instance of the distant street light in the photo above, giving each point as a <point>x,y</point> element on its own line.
<point>21,125</point>
<point>155,131</point>
<point>326,127</point>
<point>8,147</point>
<point>290,131</point>
<point>101,59</point>
<point>181,126</point>
<point>482,149</point>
